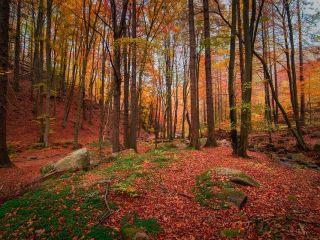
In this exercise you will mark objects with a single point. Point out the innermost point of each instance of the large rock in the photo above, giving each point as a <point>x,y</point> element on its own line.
<point>233,196</point>
<point>237,176</point>
<point>79,159</point>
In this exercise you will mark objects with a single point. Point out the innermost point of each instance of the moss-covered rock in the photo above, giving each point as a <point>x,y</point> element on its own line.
<point>237,176</point>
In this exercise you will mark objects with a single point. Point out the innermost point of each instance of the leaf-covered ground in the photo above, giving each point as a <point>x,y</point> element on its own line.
<point>156,191</point>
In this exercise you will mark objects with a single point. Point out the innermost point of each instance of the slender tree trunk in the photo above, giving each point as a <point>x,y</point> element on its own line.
<point>17,50</point>
<point>211,139</point>
<point>193,80</point>
<point>275,70</point>
<point>168,87</point>
<point>49,75</point>
<point>134,99</point>
<point>293,69</point>
<point>184,93</point>
<point>102,90</point>
<point>301,73</point>
<point>176,104</point>
<point>126,80</point>
<point>231,85</point>
<point>266,85</point>
<point>4,68</point>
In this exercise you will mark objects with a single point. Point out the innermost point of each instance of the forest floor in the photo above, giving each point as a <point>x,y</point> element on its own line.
<point>170,193</point>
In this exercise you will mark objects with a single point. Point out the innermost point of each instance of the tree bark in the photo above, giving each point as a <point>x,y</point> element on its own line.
<point>246,86</point>
<point>116,78</point>
<point>231,85</point>
<point>134,99</point>
<point>126,80</point>
<point>301,73</point>
<point>193,80</point>
<point>17,50</point>
<point>4,69</point>
<point>49,75</point>
<point>211,139</point>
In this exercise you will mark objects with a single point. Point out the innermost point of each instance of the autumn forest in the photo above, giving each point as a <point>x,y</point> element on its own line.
<point>159,119</point>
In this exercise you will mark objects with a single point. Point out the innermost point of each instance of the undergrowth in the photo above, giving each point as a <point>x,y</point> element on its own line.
<point>64,209</point>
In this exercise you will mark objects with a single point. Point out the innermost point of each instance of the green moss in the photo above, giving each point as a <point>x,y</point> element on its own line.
<point>8,206</point>
<point>230,233</point>
<point>102,233</point>
<point>132,221</point>
<point>43,209</point>
<point>12,150</point>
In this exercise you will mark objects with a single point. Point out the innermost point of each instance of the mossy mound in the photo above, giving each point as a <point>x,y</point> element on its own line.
<point>217,189</point>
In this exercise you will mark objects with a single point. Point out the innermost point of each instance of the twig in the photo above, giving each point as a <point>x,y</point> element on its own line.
<point>185,195</point>
<point>108,211</point>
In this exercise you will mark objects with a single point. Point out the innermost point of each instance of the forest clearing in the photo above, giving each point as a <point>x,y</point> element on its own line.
<point>134,119</point>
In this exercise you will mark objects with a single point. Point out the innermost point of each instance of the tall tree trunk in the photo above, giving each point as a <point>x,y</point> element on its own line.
<point>126,80</point>
<point>184,95</point>
<point>49,75</point>
<point>168,86</point>
<point>134,100</point>
<point>211,139</point>
<point>102,90</point>
<point>301,73</point>
<point>116,78</point>
<point>193,80</point>
<point>275,70</point>
<point>266,85</point>
<point>176,104</point>
<point>17,50</point>
<point>231,85</point>
<point>293,69</point>
<point>246,86</point>
<point>4,68</point>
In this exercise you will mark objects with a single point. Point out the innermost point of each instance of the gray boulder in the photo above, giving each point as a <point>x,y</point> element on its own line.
<point>76,160</point>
